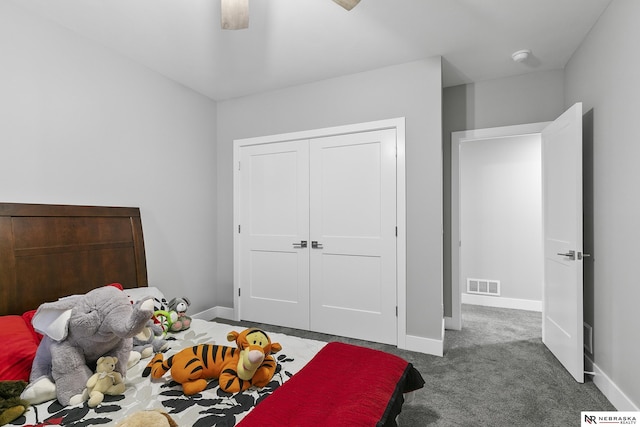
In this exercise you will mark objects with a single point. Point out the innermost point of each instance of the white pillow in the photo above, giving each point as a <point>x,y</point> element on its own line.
<point>136,294</point>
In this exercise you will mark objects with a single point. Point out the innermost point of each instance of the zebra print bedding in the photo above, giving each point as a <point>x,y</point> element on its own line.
<point>211,407</point>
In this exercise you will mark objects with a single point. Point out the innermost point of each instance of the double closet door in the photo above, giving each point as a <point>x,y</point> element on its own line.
<point>317,234</point>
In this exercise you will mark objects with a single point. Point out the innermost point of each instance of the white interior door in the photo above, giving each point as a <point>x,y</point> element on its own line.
<point>274,226</point>
<point>353,235</point>
<point>562,321</point>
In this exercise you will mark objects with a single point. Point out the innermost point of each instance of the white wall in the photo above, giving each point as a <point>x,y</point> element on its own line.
<point>501,214</point>
<point>603,74</point>
<point>410,90</point>
<point>81,125</point>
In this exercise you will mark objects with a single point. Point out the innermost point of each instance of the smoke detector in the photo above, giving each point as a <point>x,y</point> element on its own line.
<point>521,55</point>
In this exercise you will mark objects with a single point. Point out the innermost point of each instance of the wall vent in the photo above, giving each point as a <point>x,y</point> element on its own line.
<point>483,287</point>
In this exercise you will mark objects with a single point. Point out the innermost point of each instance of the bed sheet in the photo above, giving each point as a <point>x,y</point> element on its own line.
<point>212,407</point>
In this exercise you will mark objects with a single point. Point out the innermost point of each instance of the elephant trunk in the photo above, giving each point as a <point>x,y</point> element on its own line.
<point>130,324</point>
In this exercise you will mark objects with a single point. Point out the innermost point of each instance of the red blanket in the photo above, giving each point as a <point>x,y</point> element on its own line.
<point>343,385</point>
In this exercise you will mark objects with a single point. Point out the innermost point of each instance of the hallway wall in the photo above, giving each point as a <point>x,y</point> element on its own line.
<point>501,216</point>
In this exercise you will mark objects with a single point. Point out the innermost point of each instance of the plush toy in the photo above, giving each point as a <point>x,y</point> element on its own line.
<point>179,306</point>
<point>11,406</point>
<point>149,418</point>
<point>105,381</point>
<point>78,331</point>
<point>237,369</point>
<point>174,318</point>
<point>150,340</point>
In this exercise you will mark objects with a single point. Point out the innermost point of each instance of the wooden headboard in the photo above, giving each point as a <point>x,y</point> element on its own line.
<point>51,251</point>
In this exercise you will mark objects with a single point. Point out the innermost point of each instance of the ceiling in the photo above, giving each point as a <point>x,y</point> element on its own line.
<point>291,42</point>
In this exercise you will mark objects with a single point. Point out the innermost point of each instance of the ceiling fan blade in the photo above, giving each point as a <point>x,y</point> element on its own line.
<point>234,14</point>
<point>347,4</point>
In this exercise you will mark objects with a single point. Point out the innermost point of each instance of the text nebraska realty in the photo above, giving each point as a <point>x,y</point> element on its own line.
<point>610,419</point>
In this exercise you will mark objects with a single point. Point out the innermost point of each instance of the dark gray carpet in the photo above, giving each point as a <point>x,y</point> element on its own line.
<point>495,372</point>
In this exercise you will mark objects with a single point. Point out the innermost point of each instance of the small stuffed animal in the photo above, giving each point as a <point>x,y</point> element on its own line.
<point>148,418</point>
<point>177,311</point>
<point>150,340</point>
<point>174,319</point>
<point>237,369</point>
<point>105,381</point>
<point>11,406</point>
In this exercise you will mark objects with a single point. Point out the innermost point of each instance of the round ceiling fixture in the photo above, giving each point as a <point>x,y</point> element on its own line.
<point>521,55</point>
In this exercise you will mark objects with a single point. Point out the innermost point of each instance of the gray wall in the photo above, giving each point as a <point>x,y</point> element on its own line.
<point>529,98</point>
<point>411,90</point>
<point>501,214</point>
<point>81,125</point>
<point>603,74</point>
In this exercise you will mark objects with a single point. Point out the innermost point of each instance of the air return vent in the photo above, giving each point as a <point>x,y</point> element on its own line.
<point>483,287</point>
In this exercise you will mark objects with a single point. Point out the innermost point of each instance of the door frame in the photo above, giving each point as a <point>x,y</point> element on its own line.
<point>457,139</point>
<point>401,257</point>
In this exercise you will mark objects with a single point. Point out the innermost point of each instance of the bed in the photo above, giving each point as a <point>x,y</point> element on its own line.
<point>52,251</point>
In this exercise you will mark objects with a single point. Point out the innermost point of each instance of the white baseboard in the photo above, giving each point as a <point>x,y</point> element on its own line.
<point>451,325</point>
<point>610,389</point>
<point>500,302</point>
<point>424,345</point>
<point>213,312</point>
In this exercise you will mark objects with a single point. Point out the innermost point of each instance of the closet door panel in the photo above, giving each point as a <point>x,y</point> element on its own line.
<point>350,283</point>
<point>352,211</point>
<point>274,220</point>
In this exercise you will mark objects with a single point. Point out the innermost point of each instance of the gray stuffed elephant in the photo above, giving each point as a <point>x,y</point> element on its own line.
<point>77,331</point>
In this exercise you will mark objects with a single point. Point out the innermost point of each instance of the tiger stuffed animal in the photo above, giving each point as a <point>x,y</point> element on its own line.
<point>237,369</point>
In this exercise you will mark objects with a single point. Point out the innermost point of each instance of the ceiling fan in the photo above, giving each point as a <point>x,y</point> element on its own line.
<point>235,13</point>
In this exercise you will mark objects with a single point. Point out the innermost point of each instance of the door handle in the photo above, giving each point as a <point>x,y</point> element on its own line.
<point>571,255</point>
<point>316,245</point>
<point>300,245</point>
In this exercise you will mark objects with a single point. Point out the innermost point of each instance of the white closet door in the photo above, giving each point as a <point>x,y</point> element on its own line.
<point>274,220</point>
<point>353,220</point>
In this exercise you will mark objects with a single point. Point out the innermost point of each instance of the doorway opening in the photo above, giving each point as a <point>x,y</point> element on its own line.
<point>496,225</point>
<point>562,220</point>
<point>501,254</point>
